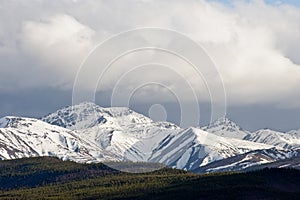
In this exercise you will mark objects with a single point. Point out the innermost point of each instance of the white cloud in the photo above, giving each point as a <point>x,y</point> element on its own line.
<point>58,45</point>
<point>255,45</point>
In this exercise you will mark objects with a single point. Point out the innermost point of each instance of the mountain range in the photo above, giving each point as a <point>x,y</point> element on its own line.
<point>88,133</point>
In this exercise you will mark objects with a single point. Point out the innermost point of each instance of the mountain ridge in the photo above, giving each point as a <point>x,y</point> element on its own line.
<point>119,133</point>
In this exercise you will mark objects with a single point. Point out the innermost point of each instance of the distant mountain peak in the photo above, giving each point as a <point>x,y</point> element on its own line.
<point>86,115</point>
<point>226,128</point>
<point>224,122</point>
<point>92,105</point>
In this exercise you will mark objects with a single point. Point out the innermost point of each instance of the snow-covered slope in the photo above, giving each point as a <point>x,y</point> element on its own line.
<point>184,149</point>
<point>87,115</point>
<point>192,148</point>
<point>247,160</point>
<point>26,137</point>
<point>293,162</point>
<point>127,142</point>
<point>89,133</point>
<point>121,131</point>
<point>135,137</point>
<point>290,140</point>
<point>226,128</point>
<point>295,133</point>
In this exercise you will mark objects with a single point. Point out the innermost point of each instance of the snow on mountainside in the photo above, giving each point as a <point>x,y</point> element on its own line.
<point>133,143</point>
<point>192,148</point>
<point>184,149</point>
<point>26,137</point>
<point>290,140</point>
<point>247,160</point>
<point>118,130</point>
<point>293,162</point>
<point>135,137</point>
<point>226,128</point>
<point>86,115</point>
<point>87,132</point>
<point>295,133</point>
<point>4,122</point>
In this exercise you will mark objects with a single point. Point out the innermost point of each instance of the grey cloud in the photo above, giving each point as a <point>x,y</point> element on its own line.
<point>254,44</point>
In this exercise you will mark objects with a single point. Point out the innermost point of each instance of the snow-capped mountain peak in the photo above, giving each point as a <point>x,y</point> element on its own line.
<point>86,115</point>
<point>225,122</point>
<point>226,128</point>
<point>87,132</point>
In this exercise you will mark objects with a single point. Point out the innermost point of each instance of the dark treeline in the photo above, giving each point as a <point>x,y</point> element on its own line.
<point>47,177</point>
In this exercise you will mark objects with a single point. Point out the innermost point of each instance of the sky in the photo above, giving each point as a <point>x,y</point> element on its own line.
<point>272,2</point>
<point>247,52</point>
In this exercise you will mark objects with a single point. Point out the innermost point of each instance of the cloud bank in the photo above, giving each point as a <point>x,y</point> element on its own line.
<point>254,45</point>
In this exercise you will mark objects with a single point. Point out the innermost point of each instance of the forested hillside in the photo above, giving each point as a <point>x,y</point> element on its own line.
<point>47,177</point>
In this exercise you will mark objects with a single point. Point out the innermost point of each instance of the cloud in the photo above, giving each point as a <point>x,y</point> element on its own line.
<point>255,45</point>
<point>58,45</point>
